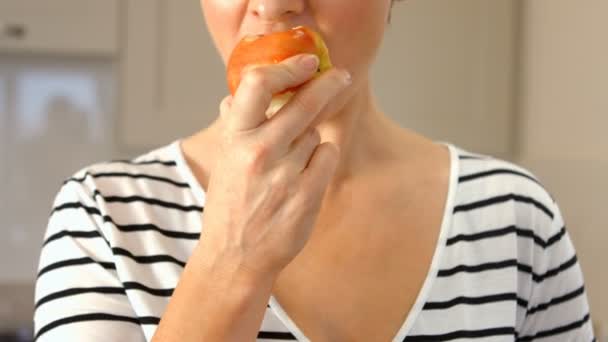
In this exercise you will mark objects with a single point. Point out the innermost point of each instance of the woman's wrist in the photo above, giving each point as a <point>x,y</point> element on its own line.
<point>231,269</point>
<point>223,301</point>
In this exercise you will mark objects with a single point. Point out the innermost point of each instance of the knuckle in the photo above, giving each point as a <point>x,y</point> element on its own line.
<point>256,156</point>
<point>306,201</point>
<point>340,80</point>
<point>226,139</point>
<point>307,104</point>
<point>255,78</point>
<point>315,137</point>
<point>309,142</point>
<point>225,104</point>
<point>291,73</point>
<point>281,182</point>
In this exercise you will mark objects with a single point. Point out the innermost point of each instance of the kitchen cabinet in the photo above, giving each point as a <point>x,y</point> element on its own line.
<point>445,69</point>
<point>172,79</point>
<point>74,27</point>
<point>57,105</point>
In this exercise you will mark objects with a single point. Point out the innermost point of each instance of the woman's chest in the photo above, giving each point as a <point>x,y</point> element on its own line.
<point>358,281</point>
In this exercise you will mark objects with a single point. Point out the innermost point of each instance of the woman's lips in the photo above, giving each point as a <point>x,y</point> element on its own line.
<point>272,28</point>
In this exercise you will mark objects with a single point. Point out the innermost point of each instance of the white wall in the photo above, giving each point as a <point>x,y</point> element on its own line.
<point>563,122</point>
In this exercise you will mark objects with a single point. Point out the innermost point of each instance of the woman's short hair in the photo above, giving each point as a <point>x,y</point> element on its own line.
<point>388,20</point>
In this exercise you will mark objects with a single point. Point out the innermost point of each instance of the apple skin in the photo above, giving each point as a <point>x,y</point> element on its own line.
<point>272,49</point>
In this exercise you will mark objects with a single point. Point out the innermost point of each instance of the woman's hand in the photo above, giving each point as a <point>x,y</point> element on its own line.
<point>265,191</point>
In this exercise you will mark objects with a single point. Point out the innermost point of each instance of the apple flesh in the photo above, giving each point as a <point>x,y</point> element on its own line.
<point>272,49</point>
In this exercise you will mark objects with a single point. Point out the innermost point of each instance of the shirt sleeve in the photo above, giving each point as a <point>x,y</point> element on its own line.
<point>558,308</point>
<point>79,296</point>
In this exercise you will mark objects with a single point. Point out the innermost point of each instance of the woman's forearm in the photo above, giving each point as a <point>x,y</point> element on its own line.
<point>217,302</point>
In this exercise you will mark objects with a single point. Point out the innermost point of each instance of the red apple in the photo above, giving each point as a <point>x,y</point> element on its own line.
<point>272,49</point>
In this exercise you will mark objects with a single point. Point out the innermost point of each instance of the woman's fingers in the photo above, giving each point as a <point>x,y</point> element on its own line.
<point>300,152</point>
<point>320,170</point>
<point>225,107</point>
<point>297,115</point>
<point>258,85</point>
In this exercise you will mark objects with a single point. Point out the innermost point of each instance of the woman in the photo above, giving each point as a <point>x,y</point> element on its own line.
<point>327,222</point>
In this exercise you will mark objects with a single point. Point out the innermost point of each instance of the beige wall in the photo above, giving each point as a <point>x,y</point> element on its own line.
<point>455,51</point>
<point>563,120</point>
<point>445,70</point>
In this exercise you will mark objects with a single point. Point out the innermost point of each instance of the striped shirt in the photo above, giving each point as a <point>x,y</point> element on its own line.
<point>120,232</point>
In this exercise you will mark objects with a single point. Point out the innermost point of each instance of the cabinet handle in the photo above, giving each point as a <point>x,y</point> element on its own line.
<point>14,31</point>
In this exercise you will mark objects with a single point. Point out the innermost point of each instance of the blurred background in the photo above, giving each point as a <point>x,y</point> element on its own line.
<point>83,81</point>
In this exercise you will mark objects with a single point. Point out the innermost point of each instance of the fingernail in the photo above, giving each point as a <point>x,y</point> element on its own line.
<point>348,79</point>
<point>310,62</point>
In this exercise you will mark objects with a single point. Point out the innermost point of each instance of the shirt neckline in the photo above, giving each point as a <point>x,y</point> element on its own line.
<point>424,291</point>
<point>431,274</point>
<point>184,169</point>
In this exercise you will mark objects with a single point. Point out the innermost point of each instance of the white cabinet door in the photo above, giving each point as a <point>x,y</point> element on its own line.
<point>172,77</point>
<point>445,69</point>
<point>80,27</point>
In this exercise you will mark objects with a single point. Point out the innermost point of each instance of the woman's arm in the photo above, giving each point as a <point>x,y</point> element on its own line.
<point>558,309</point>
<point>215,301</point>
<point>79,296</point>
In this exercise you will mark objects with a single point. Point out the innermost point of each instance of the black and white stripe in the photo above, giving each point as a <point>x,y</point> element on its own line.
<point>121,232</point>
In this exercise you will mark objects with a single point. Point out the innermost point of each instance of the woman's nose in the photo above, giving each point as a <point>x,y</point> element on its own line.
<point>276,10</point>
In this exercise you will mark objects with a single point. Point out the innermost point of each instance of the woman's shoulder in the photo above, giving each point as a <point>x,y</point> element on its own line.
<point>147,175</point>
<point>492,188</point>
<point>150,192</point>
<point>488,170</point>
<point>161,158</point>
<point>506,219</point>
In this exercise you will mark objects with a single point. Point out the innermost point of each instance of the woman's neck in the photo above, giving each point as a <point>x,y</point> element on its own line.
<point>365,136</point>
